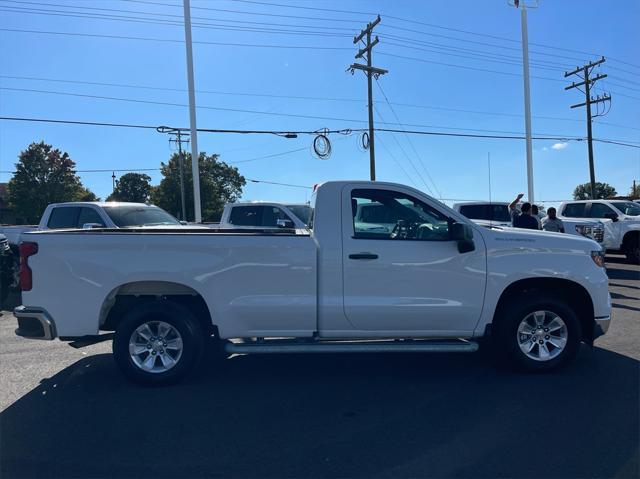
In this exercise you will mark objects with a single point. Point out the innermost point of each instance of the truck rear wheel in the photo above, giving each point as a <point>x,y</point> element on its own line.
<point>158,343</point>
<point>538,333</point>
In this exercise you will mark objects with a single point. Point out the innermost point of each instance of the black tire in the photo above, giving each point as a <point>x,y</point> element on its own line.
<point>632,251</point>
<point>176,315</point>
<point>518,308</point>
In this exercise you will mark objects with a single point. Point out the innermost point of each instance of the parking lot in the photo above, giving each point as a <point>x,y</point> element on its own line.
<point>69,413</point>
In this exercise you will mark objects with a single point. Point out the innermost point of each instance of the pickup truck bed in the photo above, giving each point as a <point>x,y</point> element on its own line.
<point>433,282</point>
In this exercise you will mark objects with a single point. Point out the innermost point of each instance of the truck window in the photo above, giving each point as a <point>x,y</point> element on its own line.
<point>63,217</point>
<point>129,216</point>
<point>89,215</point>
<point>386,214</point>
<point>476,212</point>
<point>574,210</point>
<point>627,207</point>
<point>598,210</point>
<point>246,215</point>
<point>271,215</point>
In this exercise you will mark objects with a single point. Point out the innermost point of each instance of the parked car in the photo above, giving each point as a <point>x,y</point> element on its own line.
<point>436,282</point>
<point>497,214</point>
<point>264,215</point>
<point>621,220</point>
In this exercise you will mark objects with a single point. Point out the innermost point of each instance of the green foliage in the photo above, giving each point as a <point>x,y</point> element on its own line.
<point>44,175</point>
<point>603,191</point>
<point>133,187</point>
<point>219,184</point>
<point>634,192</point>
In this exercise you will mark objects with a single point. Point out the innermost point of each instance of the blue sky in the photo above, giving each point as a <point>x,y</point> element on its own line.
<point>443,72</point>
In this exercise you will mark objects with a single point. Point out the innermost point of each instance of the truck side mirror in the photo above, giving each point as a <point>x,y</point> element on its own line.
<point>463,234</point>
<point>284,223</point>
<point>612,216</point>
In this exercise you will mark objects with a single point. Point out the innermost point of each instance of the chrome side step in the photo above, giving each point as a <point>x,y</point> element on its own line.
<point>398,346</point>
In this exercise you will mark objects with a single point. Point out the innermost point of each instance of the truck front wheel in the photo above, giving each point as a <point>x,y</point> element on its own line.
<point>538,332</point>
<point>157,343</point>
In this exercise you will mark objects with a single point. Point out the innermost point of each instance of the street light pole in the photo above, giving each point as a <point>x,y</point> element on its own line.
<point>192,114</point>
<point>527,93</point>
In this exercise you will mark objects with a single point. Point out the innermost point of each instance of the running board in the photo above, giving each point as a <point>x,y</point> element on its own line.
<point>400,346</point>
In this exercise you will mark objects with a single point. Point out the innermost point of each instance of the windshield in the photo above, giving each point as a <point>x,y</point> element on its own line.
<point>627,207</point>
<point>303,212</point>
<point>129,216</point>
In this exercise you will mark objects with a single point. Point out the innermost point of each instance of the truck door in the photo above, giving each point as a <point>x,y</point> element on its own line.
<point>401,271</point>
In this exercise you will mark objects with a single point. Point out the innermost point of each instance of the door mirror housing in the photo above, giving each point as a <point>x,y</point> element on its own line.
<point>284,223</point>
<point>463,234</point>
<point>612,216</point>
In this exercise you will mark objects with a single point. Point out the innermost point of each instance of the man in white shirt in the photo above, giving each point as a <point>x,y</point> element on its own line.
<point>551,222</point>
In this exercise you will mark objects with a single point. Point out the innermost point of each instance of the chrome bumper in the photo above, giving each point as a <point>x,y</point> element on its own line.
<point>34,323</point>
<point>601,326</point>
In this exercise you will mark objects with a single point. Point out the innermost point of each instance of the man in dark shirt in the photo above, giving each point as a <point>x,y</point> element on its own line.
<point>525,220</point>
<point>522,218</point>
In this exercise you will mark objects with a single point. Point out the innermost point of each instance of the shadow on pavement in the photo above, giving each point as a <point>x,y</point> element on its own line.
<point>330,416</point>
<point>617,273</point>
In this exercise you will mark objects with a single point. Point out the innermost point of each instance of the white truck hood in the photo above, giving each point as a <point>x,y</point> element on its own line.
<point>509,237</point>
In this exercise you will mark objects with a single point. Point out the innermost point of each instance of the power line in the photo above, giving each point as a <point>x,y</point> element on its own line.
<point>408,139</point>
<point>355,130</point>
<point>237,110</point>
<point>166,40</point>
<point>441,27</point>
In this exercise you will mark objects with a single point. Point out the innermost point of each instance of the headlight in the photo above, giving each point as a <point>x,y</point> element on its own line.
<point>598,258</point>
<point>584,230</point>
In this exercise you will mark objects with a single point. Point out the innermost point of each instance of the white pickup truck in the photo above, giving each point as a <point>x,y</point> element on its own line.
<point>497,214</point>
<point>94,214</point>
<point>621,220</point>
<point>435,283</point>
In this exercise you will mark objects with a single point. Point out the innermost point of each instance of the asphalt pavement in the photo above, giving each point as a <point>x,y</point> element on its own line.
<point>69,413</point>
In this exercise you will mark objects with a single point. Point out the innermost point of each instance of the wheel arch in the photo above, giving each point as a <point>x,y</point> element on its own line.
<point>572,292</point>
<point>128,295</point>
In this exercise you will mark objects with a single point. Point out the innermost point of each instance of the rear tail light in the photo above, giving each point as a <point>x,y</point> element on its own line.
<point>26,277</point>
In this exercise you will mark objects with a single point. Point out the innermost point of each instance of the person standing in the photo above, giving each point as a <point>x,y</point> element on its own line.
<point>551,222</point>
<point>535,212</point>
<point>522,218</point>
<point>513,211</point>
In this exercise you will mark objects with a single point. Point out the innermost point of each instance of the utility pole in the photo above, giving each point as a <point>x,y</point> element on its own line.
<point>113,181</point>
<point>192,113</point>
<point>371,72</point>
<point>589,100</point>
<point>527,91</point>
<point>178,141</point>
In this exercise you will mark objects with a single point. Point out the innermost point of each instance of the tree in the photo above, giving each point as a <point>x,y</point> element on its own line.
<point>134,187</point>
<point>603,190</point>
<point>634,194</point>
<point>44,175</point>
<point>219,184</point>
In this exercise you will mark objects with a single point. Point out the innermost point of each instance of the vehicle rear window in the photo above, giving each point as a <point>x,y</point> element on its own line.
<point>486,212</point>
<point>574,210</point>
<point>246,215</point>
<point>64,217</point>
<point>89,215</point>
